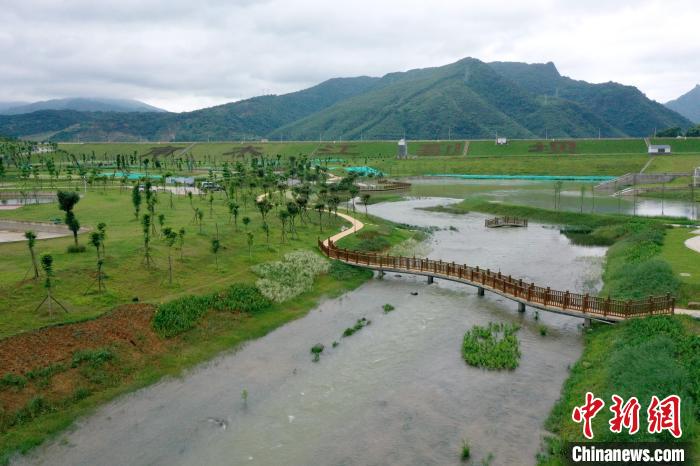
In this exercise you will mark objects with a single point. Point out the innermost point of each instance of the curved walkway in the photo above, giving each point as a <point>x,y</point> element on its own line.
<point>694,242</point>
<point>562,302</point>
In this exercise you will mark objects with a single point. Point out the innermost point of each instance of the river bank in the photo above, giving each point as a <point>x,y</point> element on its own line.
<point>362,402</point>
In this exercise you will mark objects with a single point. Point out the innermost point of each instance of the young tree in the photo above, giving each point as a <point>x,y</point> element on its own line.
<point>66,202</point>
<point>233,213</point>
<point>320,206</point>
<point>161,221</point>
<point>200,217</point>
<point>181,241</point>
<point>96,241</point>
<point>264,206</point>
<point>215,246</point>
<point>146,223</point>
<point>47,266</point>
<point>170,236</point>
<point>211,204</point>
<point>365,200</point>
<point>250,243</point>
<point>31,241</point>
<point>102,230</point>
<point>354,191</point>
<point>266,229</point>
<point>246,222</point>
<point>136,200</point>
<point>283,215</point>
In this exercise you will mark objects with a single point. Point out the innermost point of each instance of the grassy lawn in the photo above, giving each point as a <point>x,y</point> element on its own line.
<point>582,146</point>
<point>608,165</point>
<point>675,163</point>
<point>127,278</point>
<point>683,261</point>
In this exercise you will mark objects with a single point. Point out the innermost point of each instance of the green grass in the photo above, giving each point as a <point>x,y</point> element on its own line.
<point>583,146</point>
<point>683,261</point>
<point>215,334</point>
<point>680,145</point>
<point>675,163</point>
<point>127,279</point>
<point>639,357</point>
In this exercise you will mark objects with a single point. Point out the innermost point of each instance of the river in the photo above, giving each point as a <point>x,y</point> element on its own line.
<point>396,392</point>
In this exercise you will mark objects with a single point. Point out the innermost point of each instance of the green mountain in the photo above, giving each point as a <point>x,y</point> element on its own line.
<point>81,104</point>
<point>688,104</point>
<point>465,99</point>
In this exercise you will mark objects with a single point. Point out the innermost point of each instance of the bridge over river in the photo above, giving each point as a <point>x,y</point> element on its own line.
<point>525,294</point>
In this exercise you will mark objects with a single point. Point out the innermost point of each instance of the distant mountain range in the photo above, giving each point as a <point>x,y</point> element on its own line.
<point>688,104</point>
<point>465,99</point>
<point>80,104</point>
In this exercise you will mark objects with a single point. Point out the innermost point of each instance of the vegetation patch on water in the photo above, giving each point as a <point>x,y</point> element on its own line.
<point>492,347</point>
<point>282,280</point>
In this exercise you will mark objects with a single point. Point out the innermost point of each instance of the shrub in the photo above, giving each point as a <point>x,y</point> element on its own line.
<point>282,280</point>
<point>346,272</point>
<point>11,380</point>
<point>492,347</point>
<point>33,409</point>
<point>358,326</point>
<point>95,358</point>
<point>466,451</point>
<point>241,297</point>
<point>388,308</point>
<point>543,330</point>
<point>180,315</point>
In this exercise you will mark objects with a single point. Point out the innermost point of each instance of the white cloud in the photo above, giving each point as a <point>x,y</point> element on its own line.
<point>183,55</point>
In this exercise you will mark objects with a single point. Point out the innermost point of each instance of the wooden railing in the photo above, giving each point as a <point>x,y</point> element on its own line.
<point>386,185</point>
<point>505,221</point>
<point>529,293</point>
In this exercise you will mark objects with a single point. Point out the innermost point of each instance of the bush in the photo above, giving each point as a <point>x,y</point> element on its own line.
<point>241,297</point>
<point>388,308</point>
<point>11,380</point>
<point>33,409</point>
<point>180,315</point>
<point>282,280</point>
<point>346,272</point>
<point>640,280</point>
<point>492,347</point>
<point>95,358</point>
<point>73,249</point>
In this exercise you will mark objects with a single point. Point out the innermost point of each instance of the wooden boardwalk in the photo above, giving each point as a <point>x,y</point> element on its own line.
<point>525,294</point>
<point>505,222</point>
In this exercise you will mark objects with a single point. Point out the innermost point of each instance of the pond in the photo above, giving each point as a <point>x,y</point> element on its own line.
<point>396,392</point>
<point>541,194</point>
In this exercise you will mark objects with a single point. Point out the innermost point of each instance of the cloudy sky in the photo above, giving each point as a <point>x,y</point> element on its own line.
<point>183,54</point>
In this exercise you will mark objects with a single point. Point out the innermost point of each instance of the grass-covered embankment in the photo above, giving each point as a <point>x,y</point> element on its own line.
<point>641,357</point>
<point>182,333</point>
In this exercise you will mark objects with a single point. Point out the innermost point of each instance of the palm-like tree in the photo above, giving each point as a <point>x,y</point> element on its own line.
<point>31,241</point>
<point>320,206</point>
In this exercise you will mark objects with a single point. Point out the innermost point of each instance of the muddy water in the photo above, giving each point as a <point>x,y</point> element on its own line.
<point>396,392</point>
<point>541,194</point>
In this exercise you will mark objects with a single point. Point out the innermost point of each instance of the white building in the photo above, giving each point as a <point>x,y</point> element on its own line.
<point>501,141</point>
<point>659,149</point>
<point>403,149</point>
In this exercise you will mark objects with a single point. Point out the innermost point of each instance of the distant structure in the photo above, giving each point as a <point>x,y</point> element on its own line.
<point>501,141</point>
<point>403,149</point>
<point>659,149</point>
